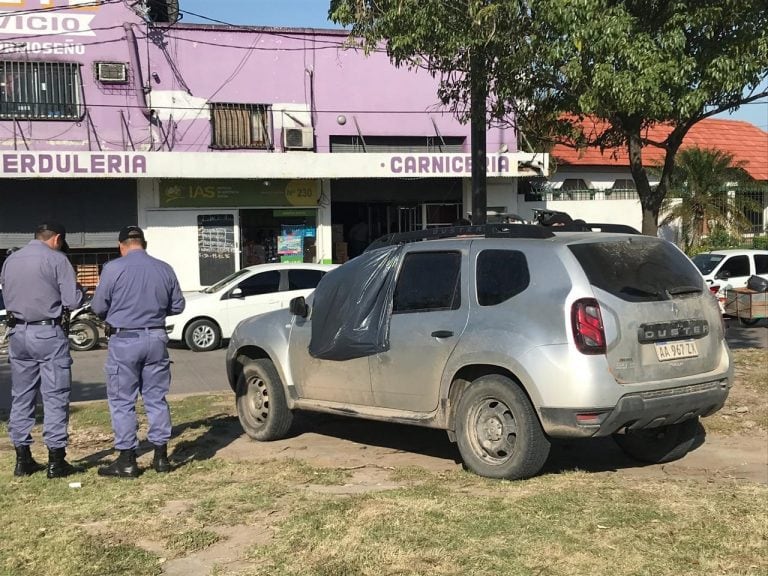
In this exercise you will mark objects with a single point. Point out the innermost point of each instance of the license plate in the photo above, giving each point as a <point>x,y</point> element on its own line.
<point>675,350</point>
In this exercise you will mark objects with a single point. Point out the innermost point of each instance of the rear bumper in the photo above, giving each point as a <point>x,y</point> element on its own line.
<point>637,411</point>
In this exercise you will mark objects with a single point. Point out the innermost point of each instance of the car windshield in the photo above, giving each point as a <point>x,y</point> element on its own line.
<point>707,262</point>
<point>224,281</point>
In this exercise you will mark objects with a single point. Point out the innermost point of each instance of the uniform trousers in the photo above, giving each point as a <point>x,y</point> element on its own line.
<point>138,362</point>
<point>40,360</point>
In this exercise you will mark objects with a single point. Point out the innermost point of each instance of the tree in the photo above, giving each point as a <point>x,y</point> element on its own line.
<point>550,64</point>
<point>703,196</point>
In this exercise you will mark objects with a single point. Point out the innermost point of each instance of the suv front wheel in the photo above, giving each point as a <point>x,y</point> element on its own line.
<point>261,405</point>
<point>497,430</point>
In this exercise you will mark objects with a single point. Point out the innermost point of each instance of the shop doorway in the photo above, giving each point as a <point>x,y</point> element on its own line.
<point>278,235</point>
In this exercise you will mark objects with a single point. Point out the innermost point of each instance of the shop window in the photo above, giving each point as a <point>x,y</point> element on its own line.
<point>429,281</point>
<point>40,90</point>
<point>240,126</point>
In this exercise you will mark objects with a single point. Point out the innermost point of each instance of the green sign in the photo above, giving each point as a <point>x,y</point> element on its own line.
<point>238,193</point>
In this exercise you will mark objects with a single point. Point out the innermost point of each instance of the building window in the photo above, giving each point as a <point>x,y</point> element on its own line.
<point>624,184</point>
<point>575,184</point>
<point>240,126</point>
<point>40,91</point>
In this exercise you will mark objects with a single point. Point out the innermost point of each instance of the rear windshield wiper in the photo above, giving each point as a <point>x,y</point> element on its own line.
<point>685,289</point>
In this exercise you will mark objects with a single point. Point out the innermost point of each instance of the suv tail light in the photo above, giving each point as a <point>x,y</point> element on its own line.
<point>587,324</point>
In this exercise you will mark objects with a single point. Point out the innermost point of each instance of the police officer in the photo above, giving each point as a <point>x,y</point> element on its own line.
<point>38,283</point>
<point>135,294</point>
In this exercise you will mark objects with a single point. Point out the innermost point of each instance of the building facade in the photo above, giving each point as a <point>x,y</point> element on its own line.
<point>230,145</point>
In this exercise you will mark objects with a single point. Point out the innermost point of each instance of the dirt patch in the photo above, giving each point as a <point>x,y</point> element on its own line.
<point>374,449</point>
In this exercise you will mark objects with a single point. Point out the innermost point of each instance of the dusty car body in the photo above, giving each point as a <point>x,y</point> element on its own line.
<point>506,343</point>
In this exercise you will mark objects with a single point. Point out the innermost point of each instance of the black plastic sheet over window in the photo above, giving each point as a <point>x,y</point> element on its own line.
<point>352,306</point>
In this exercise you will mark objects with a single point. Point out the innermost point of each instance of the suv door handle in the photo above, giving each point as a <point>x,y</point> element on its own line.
<point>442,333</point>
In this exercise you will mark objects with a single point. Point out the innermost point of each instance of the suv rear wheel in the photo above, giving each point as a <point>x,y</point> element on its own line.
<point>497,430</point>
<point>261,405</point>
<point>659,445</point>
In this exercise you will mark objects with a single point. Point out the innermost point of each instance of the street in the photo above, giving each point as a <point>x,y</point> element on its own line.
<point>196,372</point>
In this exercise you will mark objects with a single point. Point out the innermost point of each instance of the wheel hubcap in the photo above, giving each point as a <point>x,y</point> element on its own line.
<point>258,400</point>
<point>203,336</point>
<point>494,431</point>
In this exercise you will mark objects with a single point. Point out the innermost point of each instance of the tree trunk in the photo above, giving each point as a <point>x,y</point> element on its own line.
<point>649,200</point>
<point>478,137</point>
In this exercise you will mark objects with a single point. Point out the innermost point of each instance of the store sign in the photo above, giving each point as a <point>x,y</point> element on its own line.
<point>67,164</point>
<point>46,24</point>
<point>444,164</point>
<point>223,193</point>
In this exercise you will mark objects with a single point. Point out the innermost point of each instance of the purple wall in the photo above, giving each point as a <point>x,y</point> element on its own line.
<point>187,66</point>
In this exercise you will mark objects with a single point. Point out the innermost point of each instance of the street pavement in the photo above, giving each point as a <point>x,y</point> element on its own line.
<point>191,372</point>
<point>198,372</point>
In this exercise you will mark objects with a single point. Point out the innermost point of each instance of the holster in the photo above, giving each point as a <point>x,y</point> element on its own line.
<point>65,317</point>
<point>10,320</point>
<point>107,330</point>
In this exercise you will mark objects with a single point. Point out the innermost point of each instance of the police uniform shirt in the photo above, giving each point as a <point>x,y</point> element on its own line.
<point>38,282</point>
<point>137,291</point>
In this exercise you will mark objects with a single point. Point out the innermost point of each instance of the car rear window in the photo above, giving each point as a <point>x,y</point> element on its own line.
<point>304,279</point>
<point>761,264</point>
<point>501,274</point>
<point>638,270</point>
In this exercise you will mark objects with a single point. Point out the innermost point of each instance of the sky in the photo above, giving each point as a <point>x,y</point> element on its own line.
<point>314,14</point>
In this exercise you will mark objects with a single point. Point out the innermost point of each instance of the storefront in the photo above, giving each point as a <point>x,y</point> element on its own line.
<point>225,225</point>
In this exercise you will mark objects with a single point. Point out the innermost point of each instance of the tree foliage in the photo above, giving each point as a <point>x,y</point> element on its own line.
<point>704,198</point>
<point>552,63</point>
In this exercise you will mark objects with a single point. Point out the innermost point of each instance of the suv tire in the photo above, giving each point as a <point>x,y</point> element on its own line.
<point>659,445</point>
<point>261,405</point>
<point>497,430</point>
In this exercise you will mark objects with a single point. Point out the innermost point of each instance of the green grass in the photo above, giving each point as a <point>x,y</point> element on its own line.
<point>288,519</point>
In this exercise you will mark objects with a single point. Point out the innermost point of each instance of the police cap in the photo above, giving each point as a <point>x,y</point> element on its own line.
<point>131,233</point>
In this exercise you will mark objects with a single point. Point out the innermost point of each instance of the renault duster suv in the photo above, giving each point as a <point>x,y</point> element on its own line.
<point>504,336</point>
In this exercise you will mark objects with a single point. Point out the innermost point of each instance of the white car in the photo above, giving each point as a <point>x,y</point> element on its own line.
<point>728,269</point>
<point>213,313</point>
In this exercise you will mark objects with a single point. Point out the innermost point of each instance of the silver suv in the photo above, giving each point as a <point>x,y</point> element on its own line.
<point>506,337</point>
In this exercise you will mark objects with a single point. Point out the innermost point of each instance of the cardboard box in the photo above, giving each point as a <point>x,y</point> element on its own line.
<point>340,252</point>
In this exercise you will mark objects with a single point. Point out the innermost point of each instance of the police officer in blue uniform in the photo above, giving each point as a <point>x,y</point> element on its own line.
<point>38,283</point>
<point>135,294</point>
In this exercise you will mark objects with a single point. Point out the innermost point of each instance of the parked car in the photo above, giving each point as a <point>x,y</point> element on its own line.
<point>212,313</point>
<point>505,336</point>
<point>728,269</point>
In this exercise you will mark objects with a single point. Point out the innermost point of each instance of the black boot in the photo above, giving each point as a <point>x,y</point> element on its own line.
<point>124,466</point>
<point>58,467</point>
<point>160,460</point>
<point>25,464</point>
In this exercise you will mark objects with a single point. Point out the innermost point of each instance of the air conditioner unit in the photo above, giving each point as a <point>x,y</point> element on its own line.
<point>298,138</point>
<point>112,72</point>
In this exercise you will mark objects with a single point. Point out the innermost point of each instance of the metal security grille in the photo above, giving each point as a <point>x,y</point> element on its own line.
<point>240,126</point>
<point>40,90</point>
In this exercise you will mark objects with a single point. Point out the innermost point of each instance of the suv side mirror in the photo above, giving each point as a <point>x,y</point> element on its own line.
<point>298,307</point>
<point>723,275</point>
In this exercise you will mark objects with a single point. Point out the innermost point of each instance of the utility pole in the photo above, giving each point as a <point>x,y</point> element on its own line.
<point>478,96</point>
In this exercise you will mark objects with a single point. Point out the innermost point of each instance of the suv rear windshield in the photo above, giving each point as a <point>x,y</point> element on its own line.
<point>638,270</point>
<point>707,262</point>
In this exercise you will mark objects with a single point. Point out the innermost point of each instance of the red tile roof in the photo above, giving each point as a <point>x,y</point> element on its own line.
<point>744,141</point>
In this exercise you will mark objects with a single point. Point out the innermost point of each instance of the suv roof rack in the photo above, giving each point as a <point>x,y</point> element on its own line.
<point>496,230</point>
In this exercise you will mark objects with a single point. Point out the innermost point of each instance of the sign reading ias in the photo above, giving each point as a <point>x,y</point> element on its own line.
<point>238,193</point>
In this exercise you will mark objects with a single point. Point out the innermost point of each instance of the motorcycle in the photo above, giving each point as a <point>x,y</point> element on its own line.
<point>84,328</point>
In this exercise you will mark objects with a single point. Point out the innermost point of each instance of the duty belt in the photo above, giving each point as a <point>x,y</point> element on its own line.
<point>46,322</point>
<point>138,329</point>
